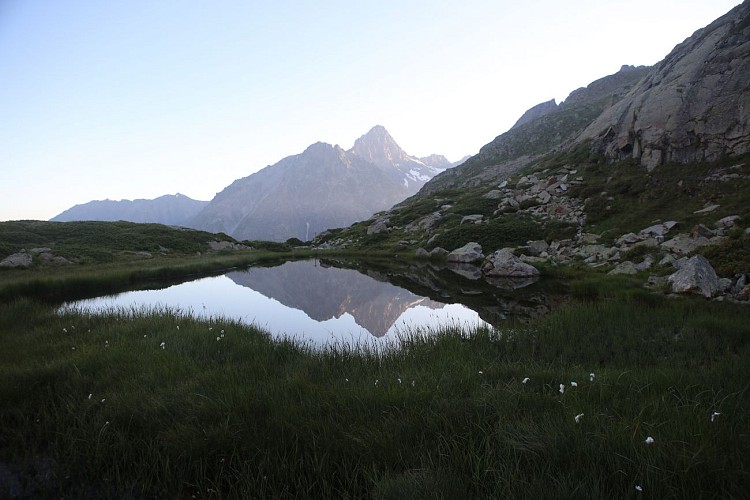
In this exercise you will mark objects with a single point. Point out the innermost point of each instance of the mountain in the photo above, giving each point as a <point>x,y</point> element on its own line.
<point>173,210</point>
<point>544,128</point>
<point>323,187</point>
<point>693,106</point>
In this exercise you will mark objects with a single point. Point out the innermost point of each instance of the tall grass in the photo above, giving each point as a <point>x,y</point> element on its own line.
<point>94,406</point>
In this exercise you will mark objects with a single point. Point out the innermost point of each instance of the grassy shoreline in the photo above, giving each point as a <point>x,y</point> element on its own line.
<point>94,406</point>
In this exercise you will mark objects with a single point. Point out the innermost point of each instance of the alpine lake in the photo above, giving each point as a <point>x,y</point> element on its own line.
<point>320,301</point>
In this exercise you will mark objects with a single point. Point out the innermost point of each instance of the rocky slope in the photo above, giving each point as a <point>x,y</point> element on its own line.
<point>544,128</point>
<point>174,210</point>
<point>323,187</point>
<point>693,106</point>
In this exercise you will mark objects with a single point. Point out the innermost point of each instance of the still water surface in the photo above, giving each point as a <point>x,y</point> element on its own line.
<point>304,300</point>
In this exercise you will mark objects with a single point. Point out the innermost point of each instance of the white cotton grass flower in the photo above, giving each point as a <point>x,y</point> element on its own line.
<point>714,415</point>
<point>90,396</point>
<point>579,417</point>
<point>65,330</point>
<point>178,327</point>
<point>481,372</point>
<point>592,376</point>
<point>218,339</point>
<point>399,380</point>
<point>525,380</point>
<point>574,384</point>
<point>638,487</point>
<point>163,345</point>
<point>649,440</point>
<point>562,388</point>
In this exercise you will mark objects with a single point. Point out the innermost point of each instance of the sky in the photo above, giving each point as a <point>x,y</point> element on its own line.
<point>126,99</point>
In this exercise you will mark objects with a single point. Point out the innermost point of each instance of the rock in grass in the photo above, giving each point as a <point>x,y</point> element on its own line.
<point>438,252</point>
<point>695,276</point>
<point>470,252</point>
<point>20,259</point>
<point>626,267</point>
<point>504,263</point>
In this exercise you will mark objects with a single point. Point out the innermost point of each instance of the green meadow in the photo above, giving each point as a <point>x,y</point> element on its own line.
<point>620,393</point>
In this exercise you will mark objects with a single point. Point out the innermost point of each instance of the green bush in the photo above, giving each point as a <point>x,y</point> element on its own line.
<point>498,233</point>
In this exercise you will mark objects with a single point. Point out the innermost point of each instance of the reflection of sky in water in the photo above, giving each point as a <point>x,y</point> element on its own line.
<point>222,297</point>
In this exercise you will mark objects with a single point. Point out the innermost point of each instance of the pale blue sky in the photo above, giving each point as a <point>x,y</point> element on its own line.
<point>126,99</point>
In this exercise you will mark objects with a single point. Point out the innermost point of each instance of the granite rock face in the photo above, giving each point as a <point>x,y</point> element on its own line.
<point>693,106</point>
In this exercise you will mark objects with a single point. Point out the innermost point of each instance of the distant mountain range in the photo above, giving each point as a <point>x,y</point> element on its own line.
<point>172,210</point>
<point>302,195</point>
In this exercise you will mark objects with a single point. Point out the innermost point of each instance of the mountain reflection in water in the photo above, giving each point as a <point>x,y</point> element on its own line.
<point>310,300</point>
<point>325,292</point>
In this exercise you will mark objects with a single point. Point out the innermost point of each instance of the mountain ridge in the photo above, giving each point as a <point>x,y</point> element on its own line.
<point>176,209</point>
<point>323,187</point>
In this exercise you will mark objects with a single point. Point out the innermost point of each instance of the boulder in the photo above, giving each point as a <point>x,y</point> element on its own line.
<point>421,252</point>
<point>701,230</point>
<point>226,245</point>
<point>645,264</point>
<point>727,222</point>
<point>657,229</point>
<point>438,252</point>
<point>470,252</point>
<point>504,263</point>
<point>20,259</point>
<point>695,276</point>
<point>684,244</point>
<point>626,267</point>
<point>707,210</point>
<point>379,226</point>
<point>472,219</point>
<point>627,239</point>
<point>537,247</point>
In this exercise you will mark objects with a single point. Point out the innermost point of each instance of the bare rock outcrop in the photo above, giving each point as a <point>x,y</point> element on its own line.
<point>693,106</point>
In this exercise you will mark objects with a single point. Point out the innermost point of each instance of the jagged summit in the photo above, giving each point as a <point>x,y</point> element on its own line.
<point>377,146</point>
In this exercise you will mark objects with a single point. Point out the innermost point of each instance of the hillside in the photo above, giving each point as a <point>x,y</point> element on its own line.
<point>32,243</point>
<point>555,189</point>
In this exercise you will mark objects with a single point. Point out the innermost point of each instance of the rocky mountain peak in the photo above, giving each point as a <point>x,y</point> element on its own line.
<point>537,111</point>
<point>378,147</point>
